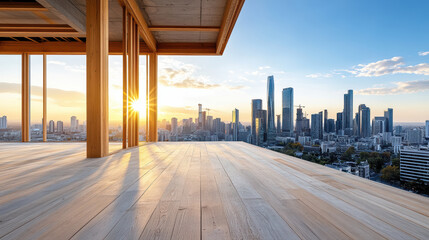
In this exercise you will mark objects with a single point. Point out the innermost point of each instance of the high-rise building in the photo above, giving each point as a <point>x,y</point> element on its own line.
<point>287,110</point>
<point>299,121</point>
<point>389,120</point>
<point>339,122</point>
<point>414,136</point>
<point>209,123</point>
<point>270,103</point>
<point>427,129</point>
<point>235,124</point>
<point>331,126</point>
<point>256,106</point>
<point>51,127</point>
<point>316,127</point>
<point>412,164</point>
<point>74,124</point>
<point>174,126</point>
<point>3,122</point>
<point>60,127</point>
<point>325,120</point>
<point>262,116</point>
<point>378,125</point>
<point>348,112</point>
<point>200,115</point>
<point>321,124</point>
<point>203,120</point>
<point>365,122</point>
<point>279,127</point>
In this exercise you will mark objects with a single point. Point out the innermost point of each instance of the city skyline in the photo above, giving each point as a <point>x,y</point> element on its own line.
<point>383,57</point>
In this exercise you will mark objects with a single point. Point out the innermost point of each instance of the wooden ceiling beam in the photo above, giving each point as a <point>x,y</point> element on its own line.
<point>115,48</point>
<point>183,29</point>
<point>134,9</point>
<point>68,12</point>
<point>232,10</point>
<point>21,6</point>
<point>29,27</point>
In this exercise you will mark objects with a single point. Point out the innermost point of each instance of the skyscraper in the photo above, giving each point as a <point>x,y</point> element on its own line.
<point>200,116</point>
<point>3,122</point>
<point>271,127</point>
<point>365,122</point>
<point>51,128</point>
<point>378,125</point>
<point>321,125</point>
<point>316,127</point>
<point>427,129</point>
<point>73,124</point>
<point>235,124</point>
<point>339,122</point>
<point>60,127</point>
<point>256,106</point>
<point>173,126</point>
<point>348,113</point>
<point>389,120</point>
<point>325,120</point>
<point>287,110</point>
<point>279,128</point>
<point>261,135</point>
<point>299,121</point>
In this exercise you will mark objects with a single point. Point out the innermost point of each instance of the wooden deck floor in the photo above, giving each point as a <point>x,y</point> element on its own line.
<point>194,191</point>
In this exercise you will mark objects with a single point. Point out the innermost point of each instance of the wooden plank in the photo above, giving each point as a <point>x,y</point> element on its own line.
<point>232,10</point>
<point>97,104</point>
<point>21,6</point>
<point>145,33</point>
<point>183,29</point>
<point>68,12</point>
<point>214,224</point>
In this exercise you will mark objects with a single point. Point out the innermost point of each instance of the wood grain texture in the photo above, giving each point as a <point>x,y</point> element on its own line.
<point>194,190</point>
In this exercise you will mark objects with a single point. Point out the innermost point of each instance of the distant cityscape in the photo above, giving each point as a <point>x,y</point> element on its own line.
<point>353,142</point>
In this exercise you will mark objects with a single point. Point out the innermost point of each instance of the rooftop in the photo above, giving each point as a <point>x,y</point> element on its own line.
<point>209,190</point>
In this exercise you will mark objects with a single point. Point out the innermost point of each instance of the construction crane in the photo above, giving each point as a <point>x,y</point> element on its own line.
<point>299,106</point>
<point>208,111</point>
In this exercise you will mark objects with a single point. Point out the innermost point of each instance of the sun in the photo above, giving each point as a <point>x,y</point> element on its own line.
<point>138,105</point>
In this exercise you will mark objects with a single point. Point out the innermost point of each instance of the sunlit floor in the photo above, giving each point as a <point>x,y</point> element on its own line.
<point>223,190</point>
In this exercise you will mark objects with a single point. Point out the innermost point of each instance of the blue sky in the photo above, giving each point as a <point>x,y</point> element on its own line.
<point>320,48</point>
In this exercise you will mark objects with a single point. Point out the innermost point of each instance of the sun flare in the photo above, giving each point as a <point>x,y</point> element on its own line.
<point>138,105</point>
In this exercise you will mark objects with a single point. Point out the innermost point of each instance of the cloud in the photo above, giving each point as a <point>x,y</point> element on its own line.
<point>57,63</point>
<point>60,97</point>
<point>423,53</point>
<point>264,67</point>
<point>177,74</point>
<point>319,75</point>
<point>389,66</point>
<point>400,88</point>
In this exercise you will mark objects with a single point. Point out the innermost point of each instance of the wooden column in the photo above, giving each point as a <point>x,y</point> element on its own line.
<point>45,121</point>
<point>153,97</point>
<point>147,99</point>
<point>97,51</point>
<point>136,83</point>
<point>125,77</point>
<point>25,97</point>
<point>130,82</point>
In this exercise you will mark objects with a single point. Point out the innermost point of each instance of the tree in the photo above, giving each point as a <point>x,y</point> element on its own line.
<point>386,156</point>
<point>348,153</point>
<point>376,164</point>
<point>390,173</point>
<point>395,162</point>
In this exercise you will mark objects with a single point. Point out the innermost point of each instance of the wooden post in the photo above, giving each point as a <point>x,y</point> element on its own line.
<point>45,121</point>
<point>130,82</point>
<point>147,99</point>
<point>153,97</point>
<point>137,79</point>
<point>97,51</point>
<point>25,97</point>
<point>125,77</point>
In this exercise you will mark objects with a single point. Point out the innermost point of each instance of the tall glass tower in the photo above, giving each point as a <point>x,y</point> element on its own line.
<point>389,120</point>
<point>287,108</point>
<point>256,105</point>
<point>270,103</point>
<point>348,111</point>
